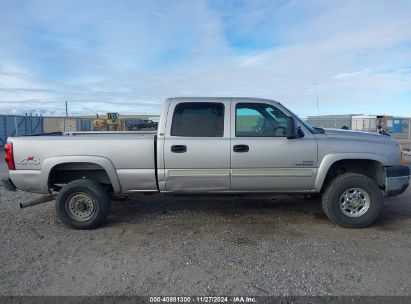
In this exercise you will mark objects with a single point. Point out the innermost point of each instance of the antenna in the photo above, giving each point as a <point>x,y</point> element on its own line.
<point>318,106</point>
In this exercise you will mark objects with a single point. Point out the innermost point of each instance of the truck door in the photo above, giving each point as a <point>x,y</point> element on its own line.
<point>197,145</point>
<point>262,158</point>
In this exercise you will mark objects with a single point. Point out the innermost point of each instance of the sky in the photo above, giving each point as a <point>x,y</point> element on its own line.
<point>127,56</point>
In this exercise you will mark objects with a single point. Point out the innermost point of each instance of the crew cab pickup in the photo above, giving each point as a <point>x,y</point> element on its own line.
<point>203,146</point>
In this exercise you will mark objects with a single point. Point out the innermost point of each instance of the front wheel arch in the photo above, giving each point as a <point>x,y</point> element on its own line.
<point>366,167</point>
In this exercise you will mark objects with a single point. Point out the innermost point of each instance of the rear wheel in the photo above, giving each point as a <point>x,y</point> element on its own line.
<point>352,201</point>
<point>83,204</point>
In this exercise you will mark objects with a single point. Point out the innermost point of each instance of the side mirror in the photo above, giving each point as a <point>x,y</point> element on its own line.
<point>293,130</point>
<point>300,132</point>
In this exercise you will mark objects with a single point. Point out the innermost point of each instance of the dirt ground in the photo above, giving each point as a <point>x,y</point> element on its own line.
<point>163,246</point>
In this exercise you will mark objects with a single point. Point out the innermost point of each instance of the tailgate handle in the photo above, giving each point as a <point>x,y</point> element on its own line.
<point>241,148</point>
<point>179,149</point>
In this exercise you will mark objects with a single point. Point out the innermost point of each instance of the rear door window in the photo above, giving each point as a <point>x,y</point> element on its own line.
<point>198,119</point>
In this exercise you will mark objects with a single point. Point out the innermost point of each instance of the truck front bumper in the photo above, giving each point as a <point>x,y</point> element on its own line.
<point>397,180</point>
<point>7,183</point>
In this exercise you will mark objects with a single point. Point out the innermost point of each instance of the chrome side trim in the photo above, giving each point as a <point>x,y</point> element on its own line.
<point>278,172</point>
<point>197,172</point>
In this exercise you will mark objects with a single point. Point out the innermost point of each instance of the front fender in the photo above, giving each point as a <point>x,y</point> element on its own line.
<point>105,163</point>
<point>330,159</point>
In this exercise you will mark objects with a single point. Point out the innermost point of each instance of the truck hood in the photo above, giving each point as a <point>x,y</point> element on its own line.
<point>357,135</point>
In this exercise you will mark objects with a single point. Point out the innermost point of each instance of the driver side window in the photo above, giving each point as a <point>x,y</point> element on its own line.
<point>259,120</point>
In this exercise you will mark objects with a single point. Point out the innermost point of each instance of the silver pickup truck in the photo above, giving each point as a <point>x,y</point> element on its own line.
<point>219,146</point>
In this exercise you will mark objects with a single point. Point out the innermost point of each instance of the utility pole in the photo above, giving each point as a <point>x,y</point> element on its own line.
<point>318,106</point>
<point>16,125</point>
<point>409,129</point>
<point>64,120</point>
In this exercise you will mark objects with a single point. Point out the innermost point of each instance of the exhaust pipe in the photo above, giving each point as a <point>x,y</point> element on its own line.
<point>38,201</point>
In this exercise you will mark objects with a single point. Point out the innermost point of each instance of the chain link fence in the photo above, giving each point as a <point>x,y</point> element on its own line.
<point>19,125</point>
<point>12,125</point>
<point>94,123</point>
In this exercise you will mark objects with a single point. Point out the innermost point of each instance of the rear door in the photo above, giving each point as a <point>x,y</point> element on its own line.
<point>197,145</point>
<point>262,158</point>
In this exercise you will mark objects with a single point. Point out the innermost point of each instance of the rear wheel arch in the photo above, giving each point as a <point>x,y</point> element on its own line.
<point>98,169</point>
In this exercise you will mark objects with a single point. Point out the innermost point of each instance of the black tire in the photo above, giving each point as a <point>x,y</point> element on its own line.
<point>96,197</point>
<point>332,196</point>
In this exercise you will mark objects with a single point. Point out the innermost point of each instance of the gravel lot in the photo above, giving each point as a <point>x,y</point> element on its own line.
<point>204,247</point>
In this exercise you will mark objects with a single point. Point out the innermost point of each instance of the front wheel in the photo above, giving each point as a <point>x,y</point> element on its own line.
<point>83,204</point>
<point>352,201</point>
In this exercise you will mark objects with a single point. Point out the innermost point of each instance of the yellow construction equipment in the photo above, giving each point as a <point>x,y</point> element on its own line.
<point>110,123</point>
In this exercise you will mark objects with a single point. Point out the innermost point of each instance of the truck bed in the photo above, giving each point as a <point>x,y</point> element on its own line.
<point>130,154</point>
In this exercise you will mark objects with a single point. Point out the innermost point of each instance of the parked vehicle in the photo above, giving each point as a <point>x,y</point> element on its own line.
<point>142,124</point>
<point>219,146</point>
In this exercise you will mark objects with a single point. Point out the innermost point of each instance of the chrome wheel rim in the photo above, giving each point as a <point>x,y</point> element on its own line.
<point>81,206</point>
<point>354,202</point>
